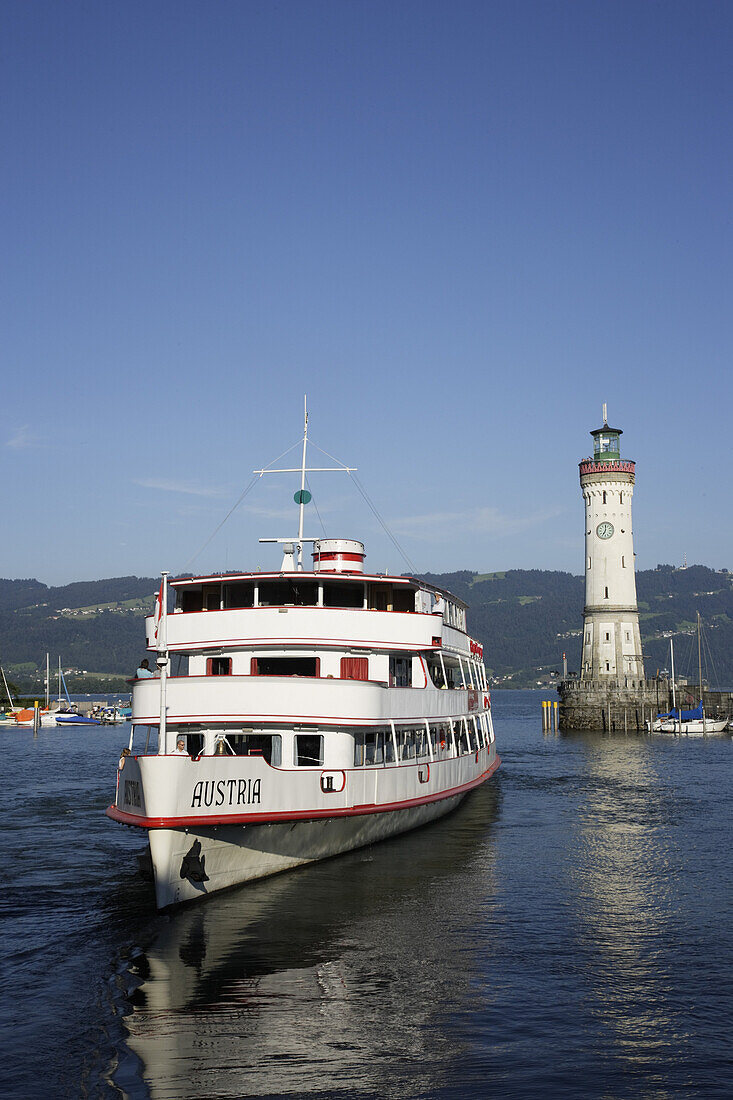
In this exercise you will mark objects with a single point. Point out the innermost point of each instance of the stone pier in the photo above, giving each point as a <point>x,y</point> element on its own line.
<point>626,705</point>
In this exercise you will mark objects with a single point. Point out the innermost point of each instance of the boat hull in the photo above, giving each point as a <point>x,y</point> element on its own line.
<point>192,863</point>
<point>695,728</point>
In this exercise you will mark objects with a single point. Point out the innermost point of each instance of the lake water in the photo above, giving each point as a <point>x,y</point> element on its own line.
<point>566,932</point>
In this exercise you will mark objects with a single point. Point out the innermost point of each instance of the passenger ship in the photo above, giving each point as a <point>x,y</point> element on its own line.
<point>320,710</point>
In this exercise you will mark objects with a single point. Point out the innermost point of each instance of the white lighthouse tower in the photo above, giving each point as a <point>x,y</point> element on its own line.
<point>611,638</point>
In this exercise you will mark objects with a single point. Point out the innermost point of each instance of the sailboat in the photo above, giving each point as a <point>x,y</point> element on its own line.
<point>691,723</point>
<point>8,716</point>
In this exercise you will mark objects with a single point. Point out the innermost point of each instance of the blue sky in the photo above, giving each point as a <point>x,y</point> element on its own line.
<point>458,227</point>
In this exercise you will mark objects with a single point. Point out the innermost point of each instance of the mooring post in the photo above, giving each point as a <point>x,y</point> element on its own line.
<point>36,718</point>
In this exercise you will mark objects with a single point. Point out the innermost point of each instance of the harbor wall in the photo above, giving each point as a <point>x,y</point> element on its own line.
<point>627,704</point>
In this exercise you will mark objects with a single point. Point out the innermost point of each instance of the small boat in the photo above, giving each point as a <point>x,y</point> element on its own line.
<point>693,722</point>
<point>322,709</point>
<point>71,718</point>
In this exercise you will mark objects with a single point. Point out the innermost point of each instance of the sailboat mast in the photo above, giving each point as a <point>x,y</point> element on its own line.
<point>7,689</point>
<point>700,674</point>
<point>48,682</point>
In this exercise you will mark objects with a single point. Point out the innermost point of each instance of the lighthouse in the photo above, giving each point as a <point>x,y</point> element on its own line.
<point>611,638</point>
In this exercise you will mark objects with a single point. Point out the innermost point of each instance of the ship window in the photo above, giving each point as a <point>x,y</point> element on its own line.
<point>288,593</point>
<point>400,672</point>
<point>421,743</point>
<point>239,595</point>
<point>380,597</point>
<point>285,666</point>
<point>266,745</point>
<point>219,666</point>
<point>463,742</point>
<point>440,741</point>
<point>343,595</point>
<point>212,597</point>
<point>192,599</point>
<point>308,750</point>
<point>373,748</point>
<point>406,744</point>
<point>354,668</point>
<point>195,744</point>
<point>404,599</point>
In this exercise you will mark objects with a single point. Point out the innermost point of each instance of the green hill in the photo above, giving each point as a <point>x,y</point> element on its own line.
<point>525,619</point>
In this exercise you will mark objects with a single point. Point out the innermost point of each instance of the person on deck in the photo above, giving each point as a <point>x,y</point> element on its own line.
<point>144,672</point>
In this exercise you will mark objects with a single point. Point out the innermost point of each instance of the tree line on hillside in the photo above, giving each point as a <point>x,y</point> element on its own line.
<point>525,619</point>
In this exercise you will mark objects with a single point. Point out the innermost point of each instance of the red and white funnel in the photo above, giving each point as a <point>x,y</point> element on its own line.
<point>338,556</point>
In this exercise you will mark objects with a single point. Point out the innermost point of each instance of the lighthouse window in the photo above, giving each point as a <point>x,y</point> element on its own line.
<point>604,496</point>
<point>606,594</point>
<point>608,637</point>
<point>308,750</point>
<point>621,498</point>
<point>623,561</point>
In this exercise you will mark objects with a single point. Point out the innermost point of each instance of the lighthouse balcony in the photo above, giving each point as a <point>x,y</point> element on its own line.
<point>590,466</point>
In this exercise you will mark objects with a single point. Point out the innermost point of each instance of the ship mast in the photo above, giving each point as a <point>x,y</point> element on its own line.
<point>300,497</point>
<point>292,546</point>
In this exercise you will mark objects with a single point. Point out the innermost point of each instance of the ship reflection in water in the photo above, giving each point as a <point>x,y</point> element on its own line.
<point>628,855</point>
<point>335,976</point>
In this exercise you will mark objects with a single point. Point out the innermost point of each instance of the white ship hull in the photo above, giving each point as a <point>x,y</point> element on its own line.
<point>234,854</point>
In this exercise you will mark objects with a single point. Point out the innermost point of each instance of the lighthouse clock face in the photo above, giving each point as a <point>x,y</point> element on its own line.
<point>604,530</point>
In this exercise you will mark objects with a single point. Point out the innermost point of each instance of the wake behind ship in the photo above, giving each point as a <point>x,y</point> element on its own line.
<point>297,715</point>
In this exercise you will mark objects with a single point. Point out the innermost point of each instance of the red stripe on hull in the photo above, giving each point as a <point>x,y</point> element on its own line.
<point>298,815</point>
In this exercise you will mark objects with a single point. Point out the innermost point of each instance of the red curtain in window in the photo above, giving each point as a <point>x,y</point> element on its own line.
<point>354,668</point>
